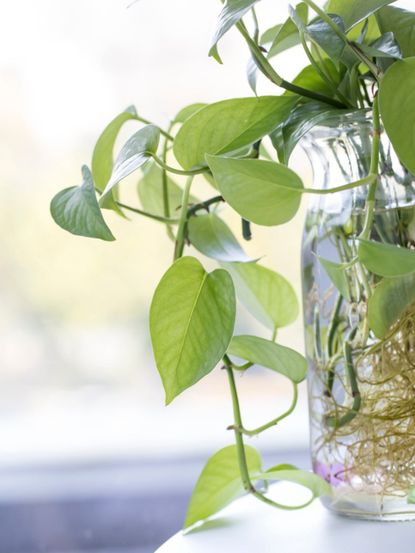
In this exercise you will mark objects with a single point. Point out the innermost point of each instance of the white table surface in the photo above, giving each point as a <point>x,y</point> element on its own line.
<point>248,526</point>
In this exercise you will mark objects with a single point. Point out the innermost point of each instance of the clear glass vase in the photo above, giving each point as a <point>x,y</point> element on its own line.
<point>361,388</point>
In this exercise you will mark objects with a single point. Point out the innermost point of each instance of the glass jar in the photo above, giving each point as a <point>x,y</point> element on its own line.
<point>361,388</point>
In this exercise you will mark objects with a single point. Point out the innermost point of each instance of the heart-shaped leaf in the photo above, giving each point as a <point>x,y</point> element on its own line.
<point>102,157</point>
<point>220,483</point>
<point>397,108</point>
<point>268,354</point>
<point>354,11</point>
<point>267,295</point>
<point>227,126</point>
<point>263,192</point>
<point>232,12</point>
<point>76,210</point>
<point>385,259</point>
<point>192,317</point>
<point>212,237</point>
<point>401,23</point>
<point>391,298</point>
<point>135,152</point>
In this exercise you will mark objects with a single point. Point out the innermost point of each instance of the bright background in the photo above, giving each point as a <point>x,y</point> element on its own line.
<point>77,379</point>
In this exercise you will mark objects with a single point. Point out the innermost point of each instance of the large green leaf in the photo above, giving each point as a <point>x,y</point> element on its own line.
<point>317,485</point>
<point>227,126</point>
<point>102,156</point>
<point>150,191</point>
<point>268,354</point>
<point>135,152</point>
<point>391,298</point>
<point>338,276</point>
<point>397,108</point>
<point>219,483</point>
<point>266,294</point>
<point>385,259</point>
<point>354,11</point>
<point>192,317</point>
<point>232,12</point>
<point>188,111</point>
<point>212,237</point>
<point>402,24</point>
<point>263,192</point>
<point>287,34</point>
<point>323,35</point>
<point>76,210</point>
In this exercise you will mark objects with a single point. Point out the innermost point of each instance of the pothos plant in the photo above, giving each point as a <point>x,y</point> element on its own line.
<point>361,57</point>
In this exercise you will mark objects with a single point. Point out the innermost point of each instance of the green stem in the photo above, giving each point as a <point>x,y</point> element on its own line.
<point>163,165</point>
<point>165,185</point>
<point>181,231</point>
<point>204,205</point>
<point>167,135</point>
<point>268,70</point>
<point>272,423</point>
<point>374,168</point>
<point>149,215</point>
<point>240,448</point>
<point>322,191</point>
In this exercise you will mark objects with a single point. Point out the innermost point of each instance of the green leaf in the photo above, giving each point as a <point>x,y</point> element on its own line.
<point>338,276</point>
<point>309,78</point>
<point>227,126</point>
<point>212,237</point>
<point>384,47</point>
<point>102,157</point>
<point>354,11</point>
<point>150,191</point>
<point>188,111</point>
<point>317,486</point>
<point>192,317</point>
<point>76,210</point>
<point>135,152</point>
<point>232,12</point>
<point>219,483</point>
<point>268,354</point>
<point>269,35</point>
<point>288,35</point>
<point>390,299</point>
<point>302,119</point>
<point>263,192</point>
<point>397,108</point>
<point>267,295</point>
<point>385,259</point>
<point>323,35</point>
<point>402,24</point>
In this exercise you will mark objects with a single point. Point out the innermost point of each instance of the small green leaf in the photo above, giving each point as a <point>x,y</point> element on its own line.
<point>384,47</point>
<point>402,24</point>
<point>102,157</point>
<point>232,12</point>
<point>287,35</point>
<point>188,111</point>
<point>227,126</point>
<point>323,35</point>
<point>212,237</point>
<point>135,152</point>
<point>411,496</point>
<point>397,108</point>
<point>337,274</point>
<point>150,191</point>
<point>192,317</point>
<point>354,11</point>
<point>390,299</point>
<point>385,259</point>
<point>76,210</point>
<point>263,192</point>
<point>317,486</point>
<point>267,295</point>
<point>268,354</point>
<point>219,483</point>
